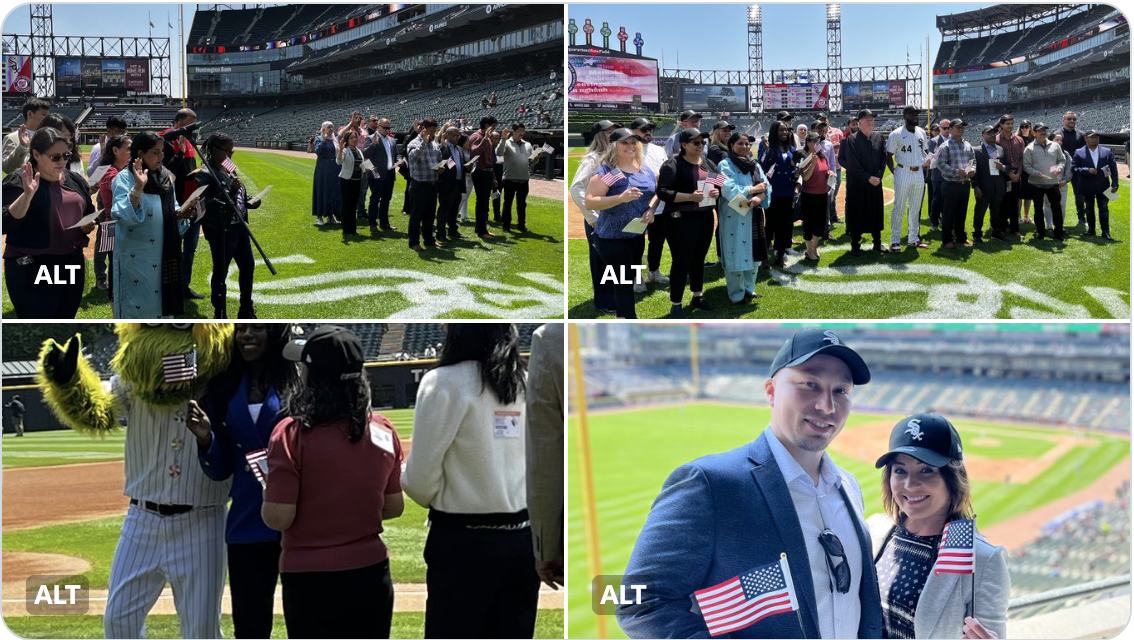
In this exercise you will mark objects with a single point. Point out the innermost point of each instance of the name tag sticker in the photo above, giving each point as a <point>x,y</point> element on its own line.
<point>508,424</point>
<point>382,437</point>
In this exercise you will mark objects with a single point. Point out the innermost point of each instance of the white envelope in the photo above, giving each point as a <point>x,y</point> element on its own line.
<point>992,170</point>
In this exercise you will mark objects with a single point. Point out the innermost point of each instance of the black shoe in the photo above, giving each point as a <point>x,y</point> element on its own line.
<point>1040,236</point>
<point>246,313</point>
<point>609,312</point>
<point>675,312</point>
<point>192,295</point>
<point>701,303</point>
<point>457,236</point>
<point>389,228</point>
<point>710,265</point>
<point>856,251</point>
<point>977,240</point>
<point>373,228</point>
<point>1106,236</point>
<point>522,229</point>
<point>507,229</point>
<point>1089,232</point>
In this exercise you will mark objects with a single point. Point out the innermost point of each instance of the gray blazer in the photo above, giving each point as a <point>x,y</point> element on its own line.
<point>941,608</point>
<point>347,163</point>
<point>15,154</point>
<point>545,441</point>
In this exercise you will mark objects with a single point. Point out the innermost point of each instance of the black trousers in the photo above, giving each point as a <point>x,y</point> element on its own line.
<point>378,211</point>
<point>226,245</point>
<point>1039,192</point>
<point>689,238</point>
<point>620,255</point>
<point>45,301</point>
<point>604,293</point>
<point>954,210</point>
<point>936,200</point>
<point>502,601</point>
<point>424,196</point>
<point>350,190</point>
<point>356,603</point>
<point>448,205</point>
<point>1080,199</point>
<point>656,235</point>
<point>781,217</point>
<point>482,187</point>
<point>1009,208</point>
<point>518,190</point>
<point>253,570</point>
<point>997,221</point>
<point>1089,200</point>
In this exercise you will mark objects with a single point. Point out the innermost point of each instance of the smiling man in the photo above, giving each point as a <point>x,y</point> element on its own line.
<point>722,515</point>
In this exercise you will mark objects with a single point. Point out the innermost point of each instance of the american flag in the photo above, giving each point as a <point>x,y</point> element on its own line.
<point>743,601</point>
<point>228,165</point>
<point>106,245</point>
<point>956,553</point>
<point>612,178</point>
<point>715,179</point>
<point>180,367</point>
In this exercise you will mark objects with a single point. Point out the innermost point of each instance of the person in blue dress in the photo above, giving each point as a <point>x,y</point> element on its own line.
<point>743,246</point>
<point>619,192</point>
<point>234,420</point>
<point>147,235</point>
<point>325,195</point>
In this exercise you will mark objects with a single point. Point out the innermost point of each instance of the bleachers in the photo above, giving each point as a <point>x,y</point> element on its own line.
<point>1003,46</point>
<point>136,116</point>
<point>16,119</point>
<point>1109,116</point>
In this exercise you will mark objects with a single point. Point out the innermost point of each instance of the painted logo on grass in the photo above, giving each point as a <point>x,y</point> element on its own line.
<point>55,595</point>
<point>956,293</point>
<point>426,295</point>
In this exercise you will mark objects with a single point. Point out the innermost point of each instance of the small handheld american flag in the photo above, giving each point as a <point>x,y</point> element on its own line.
<point>957,552</point>
<point>180,367</point>
<point>741,602</point>
<point>229,166</point>
<point>106,244</point>
<point>613,178</point>
<point>715,179</point>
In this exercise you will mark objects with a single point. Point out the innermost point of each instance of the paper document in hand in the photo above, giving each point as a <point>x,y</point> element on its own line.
<point>740,204</point>
<point>1106,171</point>
<point>97,175</point>
<point>992,170</point>
<point>637,225</point>
<point>260,196</point>
<point>441,165</point>
<point>85,220</point>
<point>831,178</point>
<point>706,201</point>
<point>450,164</point>
<point>1110,195</point>
<point>192,200</point>
<point>367,165</point>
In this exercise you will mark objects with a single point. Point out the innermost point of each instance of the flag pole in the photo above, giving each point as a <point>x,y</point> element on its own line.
<point>798,616</point>
<point>590,517</point>
<point>972,592</point>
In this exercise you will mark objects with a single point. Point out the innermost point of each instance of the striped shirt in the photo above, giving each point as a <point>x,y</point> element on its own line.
<point>161,455</point>
<point>903,569</point>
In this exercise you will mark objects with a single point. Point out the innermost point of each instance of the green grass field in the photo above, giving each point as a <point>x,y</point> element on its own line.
<point>632,456</point>
<point>1086,277</point>
<point>321,275</point>
<point>549,624</point>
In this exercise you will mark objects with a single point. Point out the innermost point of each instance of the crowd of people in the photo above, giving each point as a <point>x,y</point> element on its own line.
<point>748,193</point>
<point>149,222</point>
<point>443,167</point>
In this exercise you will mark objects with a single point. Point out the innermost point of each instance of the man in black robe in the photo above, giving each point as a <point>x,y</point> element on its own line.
<point>863,155</point>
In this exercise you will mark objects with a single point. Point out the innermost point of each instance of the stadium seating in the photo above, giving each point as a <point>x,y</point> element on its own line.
<point>968,52</point>
<point>136,116</point>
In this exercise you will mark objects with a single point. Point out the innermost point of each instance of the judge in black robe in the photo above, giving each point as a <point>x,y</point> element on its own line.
<point>863,155</point>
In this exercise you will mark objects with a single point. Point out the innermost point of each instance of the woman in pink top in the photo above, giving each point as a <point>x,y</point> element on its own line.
<point>815,171</point>
<point>334,474</point>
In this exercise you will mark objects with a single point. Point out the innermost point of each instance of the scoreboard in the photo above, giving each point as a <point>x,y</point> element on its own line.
<point>795,96</point>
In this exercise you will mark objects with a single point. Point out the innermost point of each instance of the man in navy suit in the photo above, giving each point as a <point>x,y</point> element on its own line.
<point>724,514</point>
<point>1095,171</point>
<point>382,155</point>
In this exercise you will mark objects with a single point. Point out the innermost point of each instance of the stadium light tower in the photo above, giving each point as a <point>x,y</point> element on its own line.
<point>835,57</point>
<point>43,50</point>
<point>755,58</point>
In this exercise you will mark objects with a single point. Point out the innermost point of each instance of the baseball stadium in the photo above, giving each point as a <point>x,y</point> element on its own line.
<point>1033,61</point>
<point>1044,411</point>
<point>63,491</point>
<point>268,76</point>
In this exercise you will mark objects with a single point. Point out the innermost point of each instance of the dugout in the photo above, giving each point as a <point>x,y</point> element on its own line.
<point>19,380</point>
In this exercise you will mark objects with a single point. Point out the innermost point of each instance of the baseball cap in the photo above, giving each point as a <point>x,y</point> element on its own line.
<point>815,124</point>
<point>602,125</point>
<point>329,351</point>
<point>805,344</point>
<point>689,134</point>
<point>622,134</point>
<point>1039,126</point>
<point>723,124</point>
<point>783,115</point>
<point>958,123</point>
<point>988,129</point>
<point>641,124</point>
<point>812,136</point>
<point>689,113</point>
<point>865,113</point>
<point>929,437</point>
<point>909,108</point>
<point>1091,132</point>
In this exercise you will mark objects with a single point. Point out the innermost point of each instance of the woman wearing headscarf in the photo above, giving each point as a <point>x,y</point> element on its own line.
<point>115,157</point>
<point>326,196</point>
<point>592,161</point>
<point>468,467</point>
<point>743,245</point>
<point>147,235</point>
<point>40,201</point>
<point>239,412</point>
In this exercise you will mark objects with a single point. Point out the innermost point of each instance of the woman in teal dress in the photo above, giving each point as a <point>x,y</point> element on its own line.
<point>147,264</point>
<point>743,246</point>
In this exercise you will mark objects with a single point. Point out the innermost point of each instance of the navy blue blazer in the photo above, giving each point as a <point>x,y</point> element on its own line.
<point>376,154</point>
<point>715,518</point>
<point>1081,165</point>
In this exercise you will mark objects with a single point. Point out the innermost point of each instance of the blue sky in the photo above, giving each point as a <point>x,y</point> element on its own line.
<point>111,20</point>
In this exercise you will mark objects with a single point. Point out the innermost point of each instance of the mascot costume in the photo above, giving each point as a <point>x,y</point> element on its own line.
<point>174,527</point>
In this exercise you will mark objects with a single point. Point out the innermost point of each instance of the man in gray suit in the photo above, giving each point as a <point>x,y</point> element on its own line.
<point>545,451</point>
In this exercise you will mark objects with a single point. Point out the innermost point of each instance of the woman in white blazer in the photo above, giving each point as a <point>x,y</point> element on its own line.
<point>924,487</point>
<point>349,157</point>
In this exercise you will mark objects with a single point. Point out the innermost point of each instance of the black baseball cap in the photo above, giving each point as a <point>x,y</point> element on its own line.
<point>642,124</point>
<point>805,344</point>
<point>688,114</point>
<point>959,122</point>
<point>602,125</point>
<point>909,108</point>
<point>623,133</point>
<point>864,113</point>
<point>1091,132</point>
<point>988,129</point>
<point>811,135</point>
<point>723,124</point>
<point>1039,126</point>
<point>929,437</point>
<point>330,351</point>
<point>689,134</point>
<point>783,115</point>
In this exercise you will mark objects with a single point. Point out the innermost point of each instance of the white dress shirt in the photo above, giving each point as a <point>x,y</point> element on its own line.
<point>818,508</point>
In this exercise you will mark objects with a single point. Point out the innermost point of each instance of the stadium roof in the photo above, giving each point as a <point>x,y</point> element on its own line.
<point>999,16</point>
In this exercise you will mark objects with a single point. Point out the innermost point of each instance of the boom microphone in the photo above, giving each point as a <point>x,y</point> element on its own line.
<point>186,131</point>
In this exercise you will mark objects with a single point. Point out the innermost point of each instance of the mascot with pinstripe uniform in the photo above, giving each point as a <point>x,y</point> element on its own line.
<point>174,527</point>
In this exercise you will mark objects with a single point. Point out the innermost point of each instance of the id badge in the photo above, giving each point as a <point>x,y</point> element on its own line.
<point>507,424</point>
<point>382,438</point>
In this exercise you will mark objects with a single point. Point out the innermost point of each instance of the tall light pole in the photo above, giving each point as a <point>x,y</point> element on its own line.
<point>835,57</point>
<point>755,58</point>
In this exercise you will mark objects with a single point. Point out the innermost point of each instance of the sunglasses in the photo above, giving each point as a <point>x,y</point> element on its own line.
<point>699,142</point>
<point>834,549</point>
<point>57,158</point>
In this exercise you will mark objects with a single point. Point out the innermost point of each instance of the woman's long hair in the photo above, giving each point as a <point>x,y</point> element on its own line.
<point>599,143</point>
<point>956,481</point>
<point>214,141</point>
<point>113,144</point>
<point>44,139</point>
<point>774,136</point>
<point>610,156</point>
<point>496,347</point>
<point>323,400</point>
<point>60,122</point>
<point>279,373</point>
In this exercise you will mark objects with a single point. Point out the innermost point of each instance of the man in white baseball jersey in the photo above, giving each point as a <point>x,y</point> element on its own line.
<point>908,147</point>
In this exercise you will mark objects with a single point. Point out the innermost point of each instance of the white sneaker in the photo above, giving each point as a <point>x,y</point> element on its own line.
<point>319,221</point>
<point>640,287</point>
<point>793,252</point>
<point>657,278</point>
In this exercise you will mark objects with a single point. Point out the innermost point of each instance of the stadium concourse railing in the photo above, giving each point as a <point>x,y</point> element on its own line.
<point>1098,609</point>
